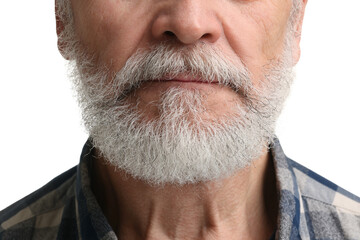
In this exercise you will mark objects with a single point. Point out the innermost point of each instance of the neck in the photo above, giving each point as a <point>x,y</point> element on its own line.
<point>243,206</point>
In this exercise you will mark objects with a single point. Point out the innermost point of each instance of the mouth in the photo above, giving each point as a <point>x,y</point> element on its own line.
<point>185,78</point>
<point>183,81</point>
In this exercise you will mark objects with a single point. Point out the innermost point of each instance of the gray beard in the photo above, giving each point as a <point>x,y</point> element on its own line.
<point>184,144</point>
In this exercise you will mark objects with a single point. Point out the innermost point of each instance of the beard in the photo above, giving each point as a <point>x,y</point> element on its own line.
<point>185,143</point>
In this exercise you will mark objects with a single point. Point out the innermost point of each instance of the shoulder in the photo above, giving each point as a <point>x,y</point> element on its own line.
<point>43,209</point>
<point>330,211</point>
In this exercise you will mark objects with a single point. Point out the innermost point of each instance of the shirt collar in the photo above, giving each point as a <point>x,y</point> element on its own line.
<point>288,226</point>
<point>92,223</point>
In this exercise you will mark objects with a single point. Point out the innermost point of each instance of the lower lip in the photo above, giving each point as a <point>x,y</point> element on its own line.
<point>177,83</point>
<point>189,84</point>
<point>198,85</point>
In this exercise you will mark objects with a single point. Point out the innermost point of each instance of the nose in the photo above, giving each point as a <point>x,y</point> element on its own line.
<point>188,21</point>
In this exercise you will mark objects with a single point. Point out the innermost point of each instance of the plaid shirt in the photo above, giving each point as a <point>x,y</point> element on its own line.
<point>310,207</point>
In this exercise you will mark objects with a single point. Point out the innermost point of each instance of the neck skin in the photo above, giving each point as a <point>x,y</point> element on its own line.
<point>243,206</point>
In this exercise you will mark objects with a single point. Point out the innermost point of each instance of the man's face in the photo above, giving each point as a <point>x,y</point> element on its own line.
<point>182,90</point>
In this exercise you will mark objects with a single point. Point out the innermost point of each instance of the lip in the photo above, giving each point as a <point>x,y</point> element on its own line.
<point>186,79</point>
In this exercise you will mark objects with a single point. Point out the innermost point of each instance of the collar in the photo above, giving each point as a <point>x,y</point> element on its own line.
<point>289,217</point>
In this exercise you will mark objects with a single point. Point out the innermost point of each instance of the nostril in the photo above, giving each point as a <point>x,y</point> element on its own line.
<point>169,33</point>
<point>206,35</point>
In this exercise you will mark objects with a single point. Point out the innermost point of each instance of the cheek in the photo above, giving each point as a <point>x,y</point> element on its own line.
<point>257,33</point>
<point>274,25</point>
<point>108,30</point>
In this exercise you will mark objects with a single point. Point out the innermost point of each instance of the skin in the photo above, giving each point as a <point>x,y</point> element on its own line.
<point>243,206</point>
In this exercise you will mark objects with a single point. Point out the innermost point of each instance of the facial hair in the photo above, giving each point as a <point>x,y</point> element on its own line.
<point>184,144</point>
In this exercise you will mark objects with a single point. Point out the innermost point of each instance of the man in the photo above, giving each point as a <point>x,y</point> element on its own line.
<point>180,99</point>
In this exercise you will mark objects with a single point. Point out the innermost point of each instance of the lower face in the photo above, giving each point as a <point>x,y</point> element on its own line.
<point>165,117</point>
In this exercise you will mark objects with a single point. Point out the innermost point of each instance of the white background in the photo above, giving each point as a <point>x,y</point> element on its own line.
<point>40,131</point>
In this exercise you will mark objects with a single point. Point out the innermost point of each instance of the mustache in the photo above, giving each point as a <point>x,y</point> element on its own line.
<point>168,61</point>
<point>202,62</point>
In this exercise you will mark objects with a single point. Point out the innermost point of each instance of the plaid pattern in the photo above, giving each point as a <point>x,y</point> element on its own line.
<point>311,207</point>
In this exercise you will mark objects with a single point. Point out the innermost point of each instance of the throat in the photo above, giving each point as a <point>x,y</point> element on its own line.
<point>242,206</point>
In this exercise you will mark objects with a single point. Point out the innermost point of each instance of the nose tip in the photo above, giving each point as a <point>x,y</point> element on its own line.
<point>188,22</point>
